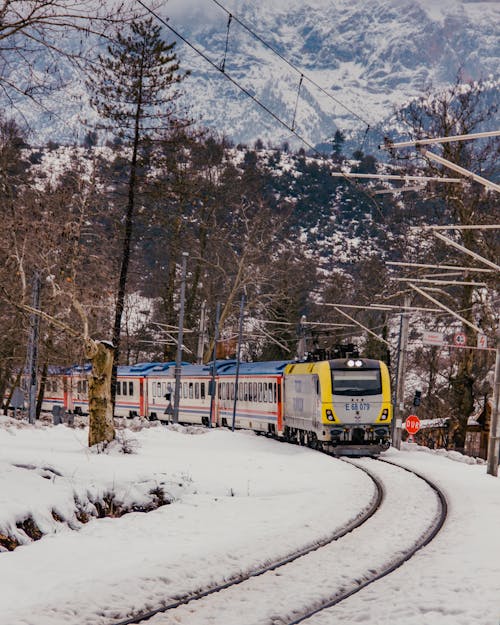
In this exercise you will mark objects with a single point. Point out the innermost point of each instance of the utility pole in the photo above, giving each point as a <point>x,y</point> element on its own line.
<point>397,423</point>
<point>214,366</point>
<point>301,345</point>
<point>238,355</point>
<point>178,360</point>
<point>32,360</point>
<point>494,441</point>
<point>201,335</point>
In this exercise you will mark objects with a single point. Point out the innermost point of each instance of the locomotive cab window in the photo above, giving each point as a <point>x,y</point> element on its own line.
<point>353,382</point>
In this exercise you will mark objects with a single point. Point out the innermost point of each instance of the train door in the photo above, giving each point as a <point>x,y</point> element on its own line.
<point>142,397</point>
<point>279,403</point>
<point>214,404</point>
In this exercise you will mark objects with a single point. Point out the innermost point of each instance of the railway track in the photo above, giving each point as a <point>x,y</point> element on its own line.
<point>297,582</point>
<point>357,521</point>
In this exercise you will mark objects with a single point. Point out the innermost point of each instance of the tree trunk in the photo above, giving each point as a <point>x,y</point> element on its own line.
<point>101,426</point>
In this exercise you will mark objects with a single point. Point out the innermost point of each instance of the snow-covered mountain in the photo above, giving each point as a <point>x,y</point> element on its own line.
<point>368,56</point>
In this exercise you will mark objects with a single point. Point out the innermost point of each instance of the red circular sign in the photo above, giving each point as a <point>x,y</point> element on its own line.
<point>459,339</point>
<point>412,424</point>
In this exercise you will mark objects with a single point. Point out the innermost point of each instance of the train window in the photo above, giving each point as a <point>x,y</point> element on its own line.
<point>255,391</point>
<point>245,392</point>
<point>190,390</point>
<point>278,395</point>
<point>79,386</point>
<point>124,388</point>
<point>264,392</point>
<point>356,382</point>
<point>119,388</point>
<point>85,385</point>
<point>130,388</point>
<point>202,389</point>
<point>163,388</point>
<point>232,390</point>
<point>197,390</point>
<point>185,390</point>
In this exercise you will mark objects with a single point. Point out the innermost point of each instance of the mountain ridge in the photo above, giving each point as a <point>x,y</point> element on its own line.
<point>369,58</point>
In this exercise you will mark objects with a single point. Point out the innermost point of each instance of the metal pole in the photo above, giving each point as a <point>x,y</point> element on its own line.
<point>494,441</point>
<point>238,354</point>
<point>442,161</point>
<point>301,345</point>
<point>214,367</point>
<point>178,360</point>
<point>32,363</point>
<point>400,380</point>
<point>406,144</point>
<point>448,310</point>
<point>465,250</point>
<point>201,336</point>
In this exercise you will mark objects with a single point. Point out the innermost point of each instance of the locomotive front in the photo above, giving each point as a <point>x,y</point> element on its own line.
<point>361,405</point>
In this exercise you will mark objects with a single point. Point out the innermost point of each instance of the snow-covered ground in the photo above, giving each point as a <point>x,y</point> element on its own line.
<point>237,500</point>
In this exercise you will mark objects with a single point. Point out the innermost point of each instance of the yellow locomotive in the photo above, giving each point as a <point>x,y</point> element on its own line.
<point>342,404</point>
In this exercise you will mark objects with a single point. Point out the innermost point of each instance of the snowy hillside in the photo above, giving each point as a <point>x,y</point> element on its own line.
<point>370,56</point>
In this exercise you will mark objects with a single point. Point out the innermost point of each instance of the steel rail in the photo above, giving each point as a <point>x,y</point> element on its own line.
<point>424,540</point>
<point>357,521</point>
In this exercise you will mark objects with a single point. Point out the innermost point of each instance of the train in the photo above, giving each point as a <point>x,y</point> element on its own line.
<point>341,405</point>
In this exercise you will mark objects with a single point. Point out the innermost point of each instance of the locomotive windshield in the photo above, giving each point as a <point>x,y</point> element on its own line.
<point>356,382</point>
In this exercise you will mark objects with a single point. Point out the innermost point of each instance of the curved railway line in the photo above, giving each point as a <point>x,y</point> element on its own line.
<point>361,518</point>
<point>279,569</point>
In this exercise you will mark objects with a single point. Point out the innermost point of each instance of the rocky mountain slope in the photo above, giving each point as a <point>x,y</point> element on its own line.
<point>368,56</point>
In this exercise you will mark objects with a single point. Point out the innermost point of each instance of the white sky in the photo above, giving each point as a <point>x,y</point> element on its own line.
<point>240,500</point>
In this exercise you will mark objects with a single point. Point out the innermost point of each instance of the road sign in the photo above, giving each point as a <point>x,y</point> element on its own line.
<point>433,338</point>
<point>412,424</point>
<point>482,341</point>
<point>459,339</point>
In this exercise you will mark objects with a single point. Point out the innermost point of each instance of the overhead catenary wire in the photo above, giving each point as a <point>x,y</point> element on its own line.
<point>290,64</point>
<point>254,99</point>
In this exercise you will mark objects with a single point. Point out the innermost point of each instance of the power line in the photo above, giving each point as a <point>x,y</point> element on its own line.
<point>290,64</point>
<point>255,100</point>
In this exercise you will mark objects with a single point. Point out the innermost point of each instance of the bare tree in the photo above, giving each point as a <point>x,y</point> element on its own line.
<point>38,35</point>
<point>459,110</point>
<point>45,228</point>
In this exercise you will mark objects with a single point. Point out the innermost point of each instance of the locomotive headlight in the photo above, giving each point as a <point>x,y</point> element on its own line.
<point>329,415</point>
<point>384,415</point>
<point>359,363</point>
<point>350,363</point>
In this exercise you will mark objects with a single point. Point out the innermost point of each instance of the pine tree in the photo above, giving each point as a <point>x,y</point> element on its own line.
<point>134,90</point>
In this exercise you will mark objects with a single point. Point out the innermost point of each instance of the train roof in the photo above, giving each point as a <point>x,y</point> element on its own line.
<point>272,367</point>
